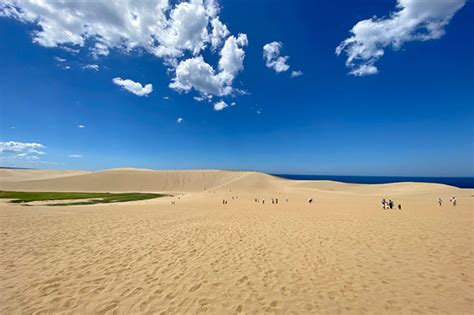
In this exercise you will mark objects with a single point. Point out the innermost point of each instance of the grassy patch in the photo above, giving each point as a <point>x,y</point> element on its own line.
<point>93,198</point>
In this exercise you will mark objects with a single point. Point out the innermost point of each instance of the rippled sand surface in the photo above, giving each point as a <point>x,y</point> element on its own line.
<point>343,253</point>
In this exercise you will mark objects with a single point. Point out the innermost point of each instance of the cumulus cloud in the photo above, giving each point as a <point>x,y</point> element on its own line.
<point>75,156</point>
<point>219,33</point>
<point>413,20</point>
<point>273,60</point>
<point>24,151</point>
<point>176,32</point>
<point>21,147</point>
<point>179,120</point>
<point>220,105</point>
<point>195,73</point>
<point>134,87</point>
<point>81,126</point>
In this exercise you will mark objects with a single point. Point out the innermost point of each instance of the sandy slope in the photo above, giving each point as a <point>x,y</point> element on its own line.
<point>8,175</point>
<point>341,254</point>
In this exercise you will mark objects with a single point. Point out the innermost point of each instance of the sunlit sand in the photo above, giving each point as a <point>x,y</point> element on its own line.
<point>190,253</point>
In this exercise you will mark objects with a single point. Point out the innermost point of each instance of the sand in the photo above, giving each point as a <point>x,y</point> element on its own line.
<point>341,254</point>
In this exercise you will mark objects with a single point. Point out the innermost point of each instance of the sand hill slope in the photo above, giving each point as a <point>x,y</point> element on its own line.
<point>187,181</point>
<point>121,180</point>
<point>9,175</point>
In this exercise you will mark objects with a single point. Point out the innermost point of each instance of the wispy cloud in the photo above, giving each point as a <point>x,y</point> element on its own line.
<point>76,156</point>
<point>91,67</point>
<point>413,20</point>
<point>134,87</point>
<point>296,73</point>
<point>81,126</point>
<point>179,120</point>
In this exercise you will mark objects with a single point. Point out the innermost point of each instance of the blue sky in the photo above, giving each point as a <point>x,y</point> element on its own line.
<point>408,112</point>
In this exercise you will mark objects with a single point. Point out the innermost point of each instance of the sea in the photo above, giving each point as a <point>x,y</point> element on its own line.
<point>461,182</point>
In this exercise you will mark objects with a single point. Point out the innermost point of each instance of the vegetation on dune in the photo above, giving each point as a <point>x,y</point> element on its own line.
<point>92,198</point>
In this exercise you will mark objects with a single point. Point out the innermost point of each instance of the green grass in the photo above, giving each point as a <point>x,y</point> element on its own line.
<point>25,197</point>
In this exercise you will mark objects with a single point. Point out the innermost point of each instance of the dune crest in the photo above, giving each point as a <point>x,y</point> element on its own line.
<point>187,181</point>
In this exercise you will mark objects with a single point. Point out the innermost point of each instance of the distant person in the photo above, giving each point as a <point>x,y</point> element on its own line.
<point>263,201</point>
<point>384,203</point>
<point>276,200</point>
<point>399,207</point>
<point>390,204</point>
<point>453,201</point>
<point>310,200</point>
<point>440,202</point>
<point>273,201</point>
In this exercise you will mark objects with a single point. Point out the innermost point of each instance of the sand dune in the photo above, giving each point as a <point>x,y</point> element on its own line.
<point>7,175</point>
<point>342,254</point>
<point>119,180</point>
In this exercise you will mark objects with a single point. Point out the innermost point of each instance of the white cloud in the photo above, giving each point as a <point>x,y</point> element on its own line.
<point>59,59</point>
<point>219,33</point>
<point>176,32</point>
<point>296,73</point>
<point>186,30</point>
<point>21,147</point>
<point>13,150</point>
<point>220,105</point>
<point>232,55</point>
<point>81,126</point>
<point>26,157</point>
<point>273,60</point>
<point>76,156</point>
<point>166,97</point>
<point>134,87</point>
<point>202,98</point>
<point>414,20</point>
<point>195,73</point>
<point>91,67</point>
<point>179,120</point>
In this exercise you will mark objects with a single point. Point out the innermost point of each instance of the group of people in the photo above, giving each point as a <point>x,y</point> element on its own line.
<point>452,200</point>
<point>389,204</point>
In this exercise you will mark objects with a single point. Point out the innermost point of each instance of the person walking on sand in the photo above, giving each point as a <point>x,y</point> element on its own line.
<point>390,204</point>
<point>384,203</point>
<point>399,206</point>
<point>440,202</point>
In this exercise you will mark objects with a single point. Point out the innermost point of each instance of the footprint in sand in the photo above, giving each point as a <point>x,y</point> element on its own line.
<point>195,287</point>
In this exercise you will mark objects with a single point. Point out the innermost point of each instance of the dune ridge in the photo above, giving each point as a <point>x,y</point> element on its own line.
<point>134,180</point>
